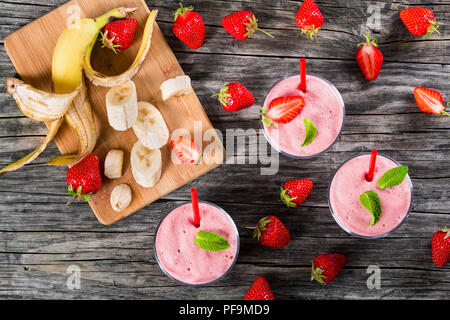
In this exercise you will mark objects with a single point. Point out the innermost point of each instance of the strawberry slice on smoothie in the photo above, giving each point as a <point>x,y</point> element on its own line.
<point>282,110</point>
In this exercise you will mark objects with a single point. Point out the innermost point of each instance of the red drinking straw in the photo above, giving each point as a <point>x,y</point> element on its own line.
<point>195,208</point>
<point>303,74</point>
<point>373,160</point>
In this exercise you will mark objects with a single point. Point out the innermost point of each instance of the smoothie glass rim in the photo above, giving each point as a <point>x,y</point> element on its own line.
<point>366,236</point>
<point>266,135</point>
<point>238,244</point>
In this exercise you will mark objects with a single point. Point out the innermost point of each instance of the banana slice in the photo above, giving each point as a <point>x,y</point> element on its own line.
<point>146,165</point>
<point>150,127</point>
<point>175,87</point>
<point>122,106</point>
<point>113,164</point>
<point>121,197</point>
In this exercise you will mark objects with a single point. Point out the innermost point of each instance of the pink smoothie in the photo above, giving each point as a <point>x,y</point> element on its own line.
<point>323,106</point>
<point>350,182</point>
<point>181,257</point>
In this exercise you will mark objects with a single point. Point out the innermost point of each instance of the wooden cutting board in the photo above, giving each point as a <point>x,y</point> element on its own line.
<point>30,50</point>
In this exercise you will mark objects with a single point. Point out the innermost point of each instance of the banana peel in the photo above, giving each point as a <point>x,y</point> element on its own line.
<point>99,79</point>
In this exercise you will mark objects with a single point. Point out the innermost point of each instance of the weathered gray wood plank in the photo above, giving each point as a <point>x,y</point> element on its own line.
<point>40,237</point>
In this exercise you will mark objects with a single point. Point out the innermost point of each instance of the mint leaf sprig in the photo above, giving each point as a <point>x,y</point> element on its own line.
<point>393,177</point>
<point>371,201</point>
<point>310,132</point>
<point>211,241</point>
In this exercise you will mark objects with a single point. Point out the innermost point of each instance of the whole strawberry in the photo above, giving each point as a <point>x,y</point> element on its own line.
<point>440,247</point>
<point>369,58</point>
<point>271,232</point>
<point>188,26</point>
<point>419,21</point>
<point>260,290</point>
<point>295,192</point>
<point>84,179</point>
<point>241,24</point>
<point>326,267</point>
<point>430,101</point>
<point>119,35</point>
<point>309,19</point>
<point>234,97</point>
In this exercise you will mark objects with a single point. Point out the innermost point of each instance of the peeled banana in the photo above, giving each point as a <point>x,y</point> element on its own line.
<point>176,86</point>
<point>122,106</point>
<point>114,164</point>
<point>111,81</point>
<point>121,197</point>
<point>146,165</point>
<point>150,127</point>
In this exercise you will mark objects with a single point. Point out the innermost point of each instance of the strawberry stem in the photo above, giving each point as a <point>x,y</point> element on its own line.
<point>223,95</point>
<point>73,199</point>
<point>181,10</point>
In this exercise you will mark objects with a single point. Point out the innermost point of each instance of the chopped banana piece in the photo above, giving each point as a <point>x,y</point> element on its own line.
<point>146,165</point>
<point>113,164</point>
<point>122,106</point>
<point>150,127</point>
<point>176,86</point>
<point>121,197</point>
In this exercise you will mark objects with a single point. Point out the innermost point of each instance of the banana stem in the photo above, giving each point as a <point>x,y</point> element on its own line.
<point>118,13</point>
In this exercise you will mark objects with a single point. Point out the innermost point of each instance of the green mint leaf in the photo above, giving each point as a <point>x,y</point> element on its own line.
<point>211,241</point>
<point>371,201</point>
<point>392,177</point>
<point>310,132</point>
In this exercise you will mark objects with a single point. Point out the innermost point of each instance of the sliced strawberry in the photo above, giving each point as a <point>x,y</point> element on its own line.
<point>186,149</point>
<point>369,58</point>
<point>282,110</point>
<point>430,101</point>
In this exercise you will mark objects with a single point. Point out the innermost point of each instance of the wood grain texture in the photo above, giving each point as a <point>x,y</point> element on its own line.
<point>40,237</point>
<point>38,39</point>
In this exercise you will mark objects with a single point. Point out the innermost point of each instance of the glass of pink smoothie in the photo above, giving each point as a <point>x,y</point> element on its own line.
<point>185,262</point>
<point>349,182</point>
<point>324,106</point>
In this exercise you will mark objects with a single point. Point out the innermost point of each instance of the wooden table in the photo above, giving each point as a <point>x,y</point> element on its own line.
<point>40,237</point>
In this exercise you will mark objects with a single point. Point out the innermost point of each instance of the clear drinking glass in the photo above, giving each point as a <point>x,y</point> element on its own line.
<point>387,233</point>
<point>206,283</point>
<point>275,146</point>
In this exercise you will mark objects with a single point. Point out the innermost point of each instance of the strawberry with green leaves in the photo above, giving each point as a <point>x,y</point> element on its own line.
<point>241,24</point>
<point>440,247</point>
<point>188,26</point>
<point>282,110</point>
<point>119,35</point>
<point>186,149</point>
<point>419,21</point>
<point>309,18</point>
<point>84,179</point>
<point>430,101</point>
<point>234,97</point>
<point>369,58</point>
<point>260,290</point>
<point>326,267</point>
<point>295,192</point>
<point>271,232</point>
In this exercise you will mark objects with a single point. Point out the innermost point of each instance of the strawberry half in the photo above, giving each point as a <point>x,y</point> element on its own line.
<point>260,290</point>
<point>234,97</point>
<point>369,58</point>
<point>440,247</point>
<point>188,26</point>
<point>186,149</point>
<point>420,21</point>
<point>430,101</point>
<point>326,267</point>
<point>295,192</point>
<point>119,35</point>
<point>282,110</point>
<point>241,25</point>
<point>271,232</point>
<point>309,19</point>
<point>84,179</point>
